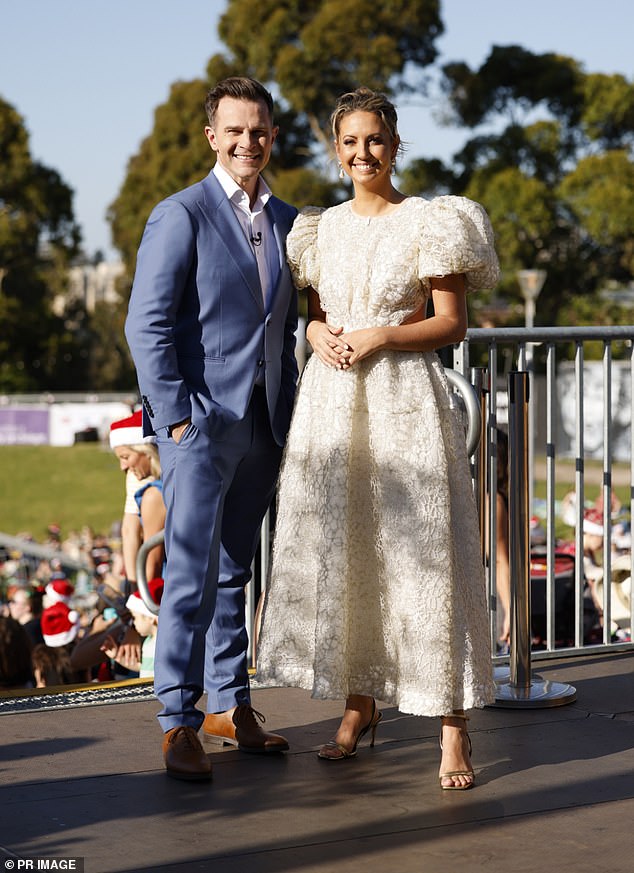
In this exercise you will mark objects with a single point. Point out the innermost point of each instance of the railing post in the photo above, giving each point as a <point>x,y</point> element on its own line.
<point>480,467</point>
<point>523,690</point>
<point>519,530</point>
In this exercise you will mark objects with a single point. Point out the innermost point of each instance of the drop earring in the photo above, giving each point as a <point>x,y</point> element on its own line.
<point>342,175</point>
<point>393,168</point>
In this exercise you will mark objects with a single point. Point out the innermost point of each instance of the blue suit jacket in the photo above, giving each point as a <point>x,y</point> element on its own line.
<point>197,326</point>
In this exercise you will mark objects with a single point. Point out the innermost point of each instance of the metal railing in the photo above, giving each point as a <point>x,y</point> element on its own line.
<point>519,352</point>
<point>503,350</point>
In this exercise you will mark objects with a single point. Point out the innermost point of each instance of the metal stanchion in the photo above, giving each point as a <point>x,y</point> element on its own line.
<point>478,380</point>
<point>471,405</point>
<point>523,690</point>
<point>141,580</point>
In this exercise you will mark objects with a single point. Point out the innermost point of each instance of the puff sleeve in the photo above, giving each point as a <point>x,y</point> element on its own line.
<point>457,237</point>
<point>301,248</point>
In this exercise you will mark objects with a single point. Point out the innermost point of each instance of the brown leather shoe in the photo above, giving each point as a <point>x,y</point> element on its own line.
<point>241,729</point>
<point>184,755</point>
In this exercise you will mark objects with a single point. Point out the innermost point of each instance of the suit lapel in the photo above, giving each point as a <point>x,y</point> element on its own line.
<point>220,213</point>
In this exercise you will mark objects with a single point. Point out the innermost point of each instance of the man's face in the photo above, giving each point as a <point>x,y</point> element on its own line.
<point>242,137</point>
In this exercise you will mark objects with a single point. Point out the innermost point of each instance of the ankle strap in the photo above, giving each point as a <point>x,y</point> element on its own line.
<point>454,715</point>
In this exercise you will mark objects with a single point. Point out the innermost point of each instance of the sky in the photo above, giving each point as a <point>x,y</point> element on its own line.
<point>87,75</point>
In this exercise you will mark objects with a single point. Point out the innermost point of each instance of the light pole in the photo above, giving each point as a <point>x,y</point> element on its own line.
<point>531,283</point>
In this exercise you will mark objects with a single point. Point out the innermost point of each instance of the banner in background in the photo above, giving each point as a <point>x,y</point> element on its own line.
<point>58,424</point>
<point>24,425</point>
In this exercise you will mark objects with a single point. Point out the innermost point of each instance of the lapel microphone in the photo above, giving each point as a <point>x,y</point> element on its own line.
<point>256,239</point>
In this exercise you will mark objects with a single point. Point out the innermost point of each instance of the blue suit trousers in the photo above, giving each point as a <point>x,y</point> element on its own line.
<point>216,493</point>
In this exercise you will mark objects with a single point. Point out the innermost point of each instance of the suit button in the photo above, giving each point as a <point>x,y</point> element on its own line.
<point>260,363</point>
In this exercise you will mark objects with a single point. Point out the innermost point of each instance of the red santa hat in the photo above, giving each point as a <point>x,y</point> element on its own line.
<point>59,591</point>
<point>59,625</point>
<point>129,431</point>
<point>136,604</point>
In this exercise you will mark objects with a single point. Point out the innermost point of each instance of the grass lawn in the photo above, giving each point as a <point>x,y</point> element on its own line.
<point>82,485</point>
<point>71,487</point>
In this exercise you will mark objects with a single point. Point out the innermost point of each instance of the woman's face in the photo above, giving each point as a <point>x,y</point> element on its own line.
<point>365,148</point>
<point>136,462</point>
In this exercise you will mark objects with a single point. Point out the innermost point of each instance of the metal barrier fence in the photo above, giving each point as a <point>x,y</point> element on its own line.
<point>519,347</point>
<point>482,408</point>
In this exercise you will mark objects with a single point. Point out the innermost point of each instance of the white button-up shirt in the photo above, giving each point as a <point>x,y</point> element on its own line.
<point>256,227</point>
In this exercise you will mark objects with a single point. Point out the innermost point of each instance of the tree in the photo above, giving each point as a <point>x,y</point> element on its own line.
<point>550,156</point>
<point>389,43</point>
<point>309,49</point>
<point>560,189</point>
<point>608,110</point>
<point>173,156</point>
<point>109,364</point>
<point>38,238</point>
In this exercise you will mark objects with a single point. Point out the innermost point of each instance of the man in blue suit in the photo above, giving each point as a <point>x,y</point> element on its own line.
<point>211,327</point>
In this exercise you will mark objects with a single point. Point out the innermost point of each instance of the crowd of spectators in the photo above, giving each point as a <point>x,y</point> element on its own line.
<point>60,625</point>
<point>76,617</point>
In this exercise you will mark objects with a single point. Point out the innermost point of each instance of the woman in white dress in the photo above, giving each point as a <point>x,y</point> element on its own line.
<point>377,586</point>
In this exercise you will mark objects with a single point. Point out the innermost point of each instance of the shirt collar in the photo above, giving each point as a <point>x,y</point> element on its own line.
<point>237,195</point>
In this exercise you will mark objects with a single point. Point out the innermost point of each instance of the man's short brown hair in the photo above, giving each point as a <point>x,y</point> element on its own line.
<point>239,88</point>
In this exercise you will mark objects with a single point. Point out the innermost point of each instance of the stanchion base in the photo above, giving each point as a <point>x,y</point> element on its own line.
<point>542,693</point>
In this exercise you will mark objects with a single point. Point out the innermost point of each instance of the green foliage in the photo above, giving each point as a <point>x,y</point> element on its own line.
<point>554,167</point>
<point>35,204</point>
<point>304,187</point>
<point>521,208</point>
<point>110,365</point>
<point>511,79</point>
<point>175,155</point>
<point>555,201</point>
<point>312,53</point>
<point>426,177</point>
<point>38,238</point>
<point>72,487</point>
<point>608,110</point>
<point>600,194</point>
<point>308,55</point>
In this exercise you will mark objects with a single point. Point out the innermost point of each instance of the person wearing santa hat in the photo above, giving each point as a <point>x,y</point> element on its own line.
<point>60,627</point>
<point>60,624</point>
<point>146,624</point>
<point>58,590</point>
<point>139,457</point>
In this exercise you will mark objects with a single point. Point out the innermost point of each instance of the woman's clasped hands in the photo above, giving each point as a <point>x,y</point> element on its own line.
<point>338,349</point>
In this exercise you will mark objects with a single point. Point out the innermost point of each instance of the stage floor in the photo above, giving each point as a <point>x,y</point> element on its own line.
<point>555,789</point>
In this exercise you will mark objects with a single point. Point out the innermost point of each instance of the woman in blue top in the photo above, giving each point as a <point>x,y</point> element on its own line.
<point>140,456</point>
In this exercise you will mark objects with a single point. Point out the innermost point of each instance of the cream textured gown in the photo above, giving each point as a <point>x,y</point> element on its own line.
<point>377,585</point>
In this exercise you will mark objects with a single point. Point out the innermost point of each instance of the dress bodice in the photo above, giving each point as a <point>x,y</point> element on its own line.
<point>376,271</point>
